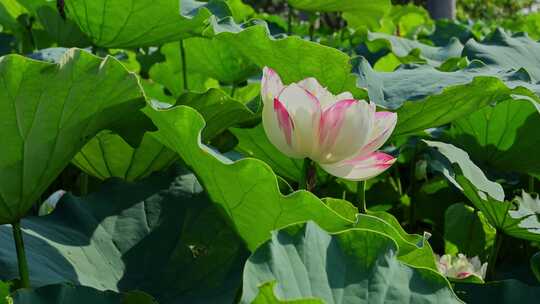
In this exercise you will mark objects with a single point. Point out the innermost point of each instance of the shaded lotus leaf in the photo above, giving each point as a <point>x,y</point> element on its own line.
<point>502,136</point>
<point>420,52</point>
<point>160,235</point>
<point>109,155</point>
<point>356,265</point>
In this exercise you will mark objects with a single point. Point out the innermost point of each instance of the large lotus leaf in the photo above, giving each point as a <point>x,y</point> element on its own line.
<point>219,110</point>
<point>246,190</point>
<point>160,235</point>
<point>353,266</point>
<point>292,57</point>
<point>487,196</point>
<point>357,13</point>
<point>467,231</point>
<point>403,47</point>
<point>500,292</point>
<point>109,155</point>
<point>426,97</point>
<point>217,59</point>
<point>171,75</point>
<point>138,23</point>
<point>502,136</point>
<point>506,51</point>
<point>49,111</point>
<point>68,294</point>
<point>254,143</point>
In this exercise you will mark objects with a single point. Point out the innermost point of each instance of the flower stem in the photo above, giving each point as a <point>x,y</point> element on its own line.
<point>398,180</point>
<point>303,183</point>
<point>361,196</point>
<point>184,69</point>
<point>289,20</point>
<point>531,184</point>
<point>233,90</point>
<point>83,183</point>
<point>21,255</point>
<point>490,272</point>
<point>412,190</point>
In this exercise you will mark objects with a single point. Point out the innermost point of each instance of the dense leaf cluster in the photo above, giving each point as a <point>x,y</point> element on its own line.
<point>148,112</point>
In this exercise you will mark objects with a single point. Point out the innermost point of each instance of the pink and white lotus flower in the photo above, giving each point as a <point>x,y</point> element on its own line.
<point>340,133</point>
<point>460,267</point>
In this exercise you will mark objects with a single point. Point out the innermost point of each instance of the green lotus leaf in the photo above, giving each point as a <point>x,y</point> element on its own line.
<point>219,110</point>
<point>138,23</point>
<point>467,231</point>
<point>9,11</point>
<point>63,31</point>
<point>170,73</point>
<point>410,20</point>
<point>500,135</point>
<point>109,155</point>
<point>4,292</point>
<point>403,48</point>
<point>160,235</point>
<point>49,112</point>
<point>240,11</point>
<point>217,59</point>
<point>356,265</point>
<point>504,50</point>
<point>358,14</point>
<point>414,249</point>
<point>293,58</point>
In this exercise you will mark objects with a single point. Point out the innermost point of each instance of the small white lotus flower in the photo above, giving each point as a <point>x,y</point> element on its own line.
<point>305,120</point>
<point>460,267</point>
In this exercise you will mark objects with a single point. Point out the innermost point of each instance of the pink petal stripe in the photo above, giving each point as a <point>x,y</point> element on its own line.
<point>379,159</point>
<point>463,275</point>
<point>284,120</point>
<point>312,97</point>
<point>362,167</point>
<point>332,120</point>
<point>378,140</point>
<point>271,83</point>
